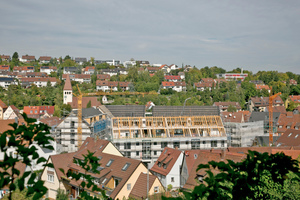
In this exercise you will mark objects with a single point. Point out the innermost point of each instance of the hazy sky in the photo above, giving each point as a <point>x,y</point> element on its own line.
<point>256,35</point>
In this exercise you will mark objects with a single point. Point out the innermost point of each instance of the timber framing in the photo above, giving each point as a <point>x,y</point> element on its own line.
<point>164,127</point>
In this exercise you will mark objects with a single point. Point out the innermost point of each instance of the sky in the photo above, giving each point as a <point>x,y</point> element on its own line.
<point>254,35</point>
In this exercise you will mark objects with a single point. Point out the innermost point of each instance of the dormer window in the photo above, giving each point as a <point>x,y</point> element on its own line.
<point>159,164</point>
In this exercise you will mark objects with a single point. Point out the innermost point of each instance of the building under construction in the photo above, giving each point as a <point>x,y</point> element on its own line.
<point>143,137</point>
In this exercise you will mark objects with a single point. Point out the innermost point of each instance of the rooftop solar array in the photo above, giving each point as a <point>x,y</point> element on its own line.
<point>174,111</point>
<point>127,110</point>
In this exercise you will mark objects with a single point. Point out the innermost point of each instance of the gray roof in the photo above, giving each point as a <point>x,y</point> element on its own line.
<point>89,112</point>
<point>187,110</point>
<point>70,68</point>
<point>5,79</point>
<point>126,110</point>
<point>264,140</point>
<point>263,116</point>
<point>80,59</point>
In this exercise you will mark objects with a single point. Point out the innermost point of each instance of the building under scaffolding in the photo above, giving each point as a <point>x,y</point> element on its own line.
<point>144,137</point>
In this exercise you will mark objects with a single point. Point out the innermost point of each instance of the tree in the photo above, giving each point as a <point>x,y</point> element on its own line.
<point>259,176</point>
<point>67,57</point>
<point>89,104</point>
<point>61,195</point>
<point>21,138</point>
<point>15,58</point>
<point>231,108</point>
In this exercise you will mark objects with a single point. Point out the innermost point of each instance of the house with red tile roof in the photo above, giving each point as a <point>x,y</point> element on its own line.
<point>235,117</point>
<point>224,105</point>
<point>103,77</point>
<point>171,78</point>
<point>111,85</point>
<point>152,70</point>
<point>27,59</point>
<point>38,110</point>
<point>201,86</point>
<point>11,112</point>
<point>23,69</point>
<point>44,59</point>
<point>292,98</point>
<point>81,78</point>
<point>5,57</point>
<point>288,121</point>
<point>176,86</point>
<point>167,167</point>
<point>289,138</point>
<point>89,70</point>
<point>260,104</point>
<point>293,82</point>
<point>261,87</point>
<point>5,68</point>
<point>118,175</point>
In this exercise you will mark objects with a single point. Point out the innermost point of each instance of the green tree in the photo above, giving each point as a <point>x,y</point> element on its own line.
<point>61,195</point>
<point>231,108</point>
<point>89,104</point>
<point>20,138</point>
<point>67,57</point>
<point>15,58</point>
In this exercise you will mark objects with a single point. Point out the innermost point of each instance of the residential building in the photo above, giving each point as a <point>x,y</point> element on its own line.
<point>3,108</point>
<point>165,69</point>
<point>4,68</point>
<point>12,112</point>
<point>66,131</point>
<point>112,85</point>
<point>172,78</point>
<point>5,82</point>
<point>48,69</point>
<point>114,72</point>
<point>80,61</point>
<point>39,82</point>
<point>129,63</point>
<point>236,117</point>
<point>5,58</point>
<point>225,105</point>
<point>26,59</point>
<point>152,70</point>
<point>292,98</point>
<point>89,70</point>
<point>143,63</point>
<point>45,59</point>
<point>80,78</point>
<point>261,103</point>
<point>287,121</point>
<point>243,134</point>
<point>233,76</point>
<point>289,138</point>
<point>167,167</point>
<point>118,175</point>
<point>264,116</point>
<point>261,87</point>
<point>110,62</point>
<point>70,70</point>
<point>103,77</point>
<point>182,75</point>
<point>176,86</point>
<point>32,75</point>
<point>38,111</point>
<point>191,177</point>
<point>293,82</point>
<point>143,137</point>
<point>23,69</point>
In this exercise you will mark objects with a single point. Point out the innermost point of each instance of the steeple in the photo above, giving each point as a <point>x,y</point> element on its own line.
<point>68,92</point>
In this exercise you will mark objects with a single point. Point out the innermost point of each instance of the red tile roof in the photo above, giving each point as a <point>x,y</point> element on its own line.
<point>235,117</point>
<point>166,161</point>
<point>4,67</point>
<point>103,76</point>
<point>225,105</point>
<point>2,104</point>
<point>46,58</point>
<point>264,101</point>
<point>207,80</point>
<point>112,83</point>
<point>39,110</point>
<point>139,190</point>
<point>288,119</point>
<point>290,137</point>
<point>4,124</point>
<point>203,85</point>
<point>27,57</point>
<point>295,98</point>
<point>260,87</point>
<point>23,68</point>
<point>85,101</point>
<point>172,77</point>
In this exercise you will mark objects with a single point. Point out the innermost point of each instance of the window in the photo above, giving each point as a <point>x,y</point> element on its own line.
<point>129,186</point>
<point>50,177</point>
<point>176,144</point>
<point>109,162</point>
<point>195,144</point>
<point>172,179</point>
<point>127,145</point>
<point>187,142</point>
<point>222,143</point>
<point>214,143</point>
<point>103,180</point>
<point>125,167</point>
<point>118,145</point>
<point>204,142</point>
<point>127,154</point>
<point>164,144</point>
<point>137,143</point>
<point>156,189</point>
<point>137,153</point>
<point>155,153</point>
<point>72,141</point>
<point>155,143</point>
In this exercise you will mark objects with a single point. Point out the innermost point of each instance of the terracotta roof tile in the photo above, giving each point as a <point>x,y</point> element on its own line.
<point>139,189</point>
<point>68,85</point>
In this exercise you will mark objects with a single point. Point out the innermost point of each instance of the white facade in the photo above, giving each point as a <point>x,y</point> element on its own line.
<point>5,82</point>
<point>68,96</point>
<point>9,113</point>
<point>47,70</point>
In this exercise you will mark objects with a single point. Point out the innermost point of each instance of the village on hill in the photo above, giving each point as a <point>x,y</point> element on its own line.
<point>150,125</point>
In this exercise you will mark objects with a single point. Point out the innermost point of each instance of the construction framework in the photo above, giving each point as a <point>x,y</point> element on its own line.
<point>163,127</point>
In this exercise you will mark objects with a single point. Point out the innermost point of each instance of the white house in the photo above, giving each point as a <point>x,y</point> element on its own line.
<point>11,112</point>
<point>111,85</point>
<point>48,69</point>
<point>39,82</point>
<point>176,86</point>
<point>5,82</point>
<point>167,167</point>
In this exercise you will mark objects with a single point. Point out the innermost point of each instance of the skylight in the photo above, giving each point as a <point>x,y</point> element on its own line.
<point>109,162</point>
<point>296,136</point>
<point>99,157</point>
<point>289,134</point>
<point>126,166</point>
<point>99,168</point>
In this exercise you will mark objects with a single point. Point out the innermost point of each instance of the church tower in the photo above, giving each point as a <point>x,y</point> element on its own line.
<point>68,92</point>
